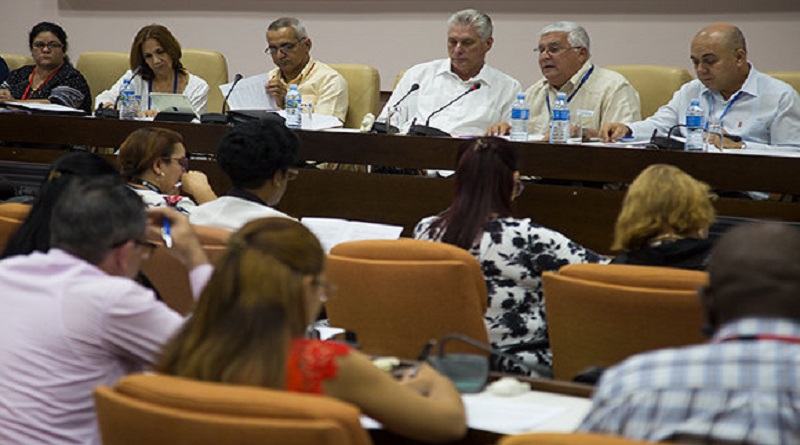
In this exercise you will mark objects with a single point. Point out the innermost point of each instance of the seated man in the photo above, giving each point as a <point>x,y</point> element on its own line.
<point>759,110</point>
<point>318,83</point>
<point>564,60</point>
<point>742,387</point>
<point>469,38</point>
<point>257,157</point>
<point>73,319</point>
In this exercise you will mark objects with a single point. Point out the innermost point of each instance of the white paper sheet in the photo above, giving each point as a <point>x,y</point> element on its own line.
<point>332,231</point>
<point>249,94</point>
<point>40,106</point>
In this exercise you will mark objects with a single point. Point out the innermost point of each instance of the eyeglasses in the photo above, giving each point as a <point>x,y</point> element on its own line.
<point>553,50</point>
<point>51,46</point>
<point>147,247</point>
<point>184,162</point>
<point>285,48</point>
<point>328,290</point>
<point>291,174</point>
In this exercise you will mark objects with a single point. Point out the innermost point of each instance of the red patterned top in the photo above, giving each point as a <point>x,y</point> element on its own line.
<point>311,362</point>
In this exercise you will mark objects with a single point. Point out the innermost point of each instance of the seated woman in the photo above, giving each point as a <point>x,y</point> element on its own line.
<point>157,56</point>
<point>513,252</point>
<point>52,79</point>
<point>154,162</point>
<point>276,265</point>
<point>664,220</point>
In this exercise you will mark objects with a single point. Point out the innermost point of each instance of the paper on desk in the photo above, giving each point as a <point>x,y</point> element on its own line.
<point>332,231</point>
<point>249,94</point>
<point>317,121</point>
<point>39,106</point>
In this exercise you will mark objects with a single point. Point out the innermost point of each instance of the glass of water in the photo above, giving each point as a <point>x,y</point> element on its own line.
<point>714,128</point>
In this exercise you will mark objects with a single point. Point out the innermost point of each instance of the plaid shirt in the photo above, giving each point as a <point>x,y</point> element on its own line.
<point>733,390</point>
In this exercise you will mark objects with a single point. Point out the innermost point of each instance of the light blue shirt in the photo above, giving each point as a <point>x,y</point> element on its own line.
<point>765,114</point>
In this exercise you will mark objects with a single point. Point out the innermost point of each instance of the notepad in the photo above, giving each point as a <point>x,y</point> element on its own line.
<point>171,103</point>
<point>332,231</point>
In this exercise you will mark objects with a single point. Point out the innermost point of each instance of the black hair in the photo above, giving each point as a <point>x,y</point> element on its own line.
<point>57,30</point>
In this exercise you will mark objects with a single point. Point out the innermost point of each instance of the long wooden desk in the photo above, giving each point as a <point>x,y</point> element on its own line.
<point>585,214</point>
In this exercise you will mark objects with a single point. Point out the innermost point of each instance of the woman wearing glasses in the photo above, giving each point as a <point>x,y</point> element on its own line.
<point>155,164</point>
<point>52,78</point>
<point>513,252</point>
<point>249,328</point>
<point>155,67</point>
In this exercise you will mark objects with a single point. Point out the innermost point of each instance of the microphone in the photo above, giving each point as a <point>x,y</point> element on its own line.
<point>114,112</point>
<point>384,127</point>
<point>427,130</point>
<point>221,118</point>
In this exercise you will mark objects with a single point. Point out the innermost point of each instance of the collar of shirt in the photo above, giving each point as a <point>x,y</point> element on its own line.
<point>758,326</point>
<point>304,73</point>
<point>573,81</point>
<point>749,87</point>
<point>444,69</point>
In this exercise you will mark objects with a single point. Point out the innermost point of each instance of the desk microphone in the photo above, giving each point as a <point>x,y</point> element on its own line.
<point>413,88</point>
<point>114,112</point>
<point>221,118</point>
<point>383,127</point>
<point>426,130</point>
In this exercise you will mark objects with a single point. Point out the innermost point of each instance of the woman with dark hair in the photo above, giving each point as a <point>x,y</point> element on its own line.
<point>34,233</point>
<point>52,79</point>
<point>249,328</point>
<point>156,54</point>
<point>513,252</point>
<point>155,164</point>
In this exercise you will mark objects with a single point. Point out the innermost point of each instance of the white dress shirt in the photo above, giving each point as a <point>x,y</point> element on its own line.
<point>231,213</point>
<point>765,112</point>
<point>196,91</point>
<point>438,85</point>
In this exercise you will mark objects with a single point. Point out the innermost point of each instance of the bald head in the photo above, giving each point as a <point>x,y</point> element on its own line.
<point>728,35</point>
<point>755,272</point>
<point>719,57</point>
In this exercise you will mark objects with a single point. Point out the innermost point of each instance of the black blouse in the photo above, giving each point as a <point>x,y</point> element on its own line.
<point>67,87</point>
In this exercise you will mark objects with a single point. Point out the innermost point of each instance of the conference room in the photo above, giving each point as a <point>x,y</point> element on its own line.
<point>380,40</point>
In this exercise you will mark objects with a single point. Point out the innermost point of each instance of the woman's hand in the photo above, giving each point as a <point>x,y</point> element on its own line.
<point>6,95</point>
<point>195,183</point>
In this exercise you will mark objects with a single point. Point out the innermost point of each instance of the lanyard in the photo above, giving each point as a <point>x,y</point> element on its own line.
<point>569,99</point>
<point>725,111</point>
<point>29,90</point>
<point>148,184</point>
<point>150,88</point>
<point>757,337</point>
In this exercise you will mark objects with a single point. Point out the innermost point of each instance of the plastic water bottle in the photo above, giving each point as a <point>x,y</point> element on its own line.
<point>694,127</point>
<point>559,125</point>
<point>127,104</point>
<point>294,112</point>
<point>520,113</point>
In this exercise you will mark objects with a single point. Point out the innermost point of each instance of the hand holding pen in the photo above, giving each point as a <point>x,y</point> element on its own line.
<point>178,236</point>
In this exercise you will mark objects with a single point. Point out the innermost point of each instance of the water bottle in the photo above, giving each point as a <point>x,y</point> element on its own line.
<point>694,127</point>
<point>559,125</point>
<point>294,113</point>
<point>127,104</point>
<point>520,113</point>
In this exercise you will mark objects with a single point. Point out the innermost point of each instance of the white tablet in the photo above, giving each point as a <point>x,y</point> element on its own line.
<point>171,103</point>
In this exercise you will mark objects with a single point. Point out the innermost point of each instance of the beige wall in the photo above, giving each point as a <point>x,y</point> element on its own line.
<point>392,35</point>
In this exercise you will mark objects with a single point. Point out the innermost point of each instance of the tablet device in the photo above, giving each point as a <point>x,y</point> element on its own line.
<point>170,103</point>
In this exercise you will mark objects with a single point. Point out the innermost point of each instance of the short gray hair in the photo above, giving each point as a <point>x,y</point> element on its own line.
<point>289,22</point>
<point>576,35</point>
<point>95,214</point>
<point>472,17</point>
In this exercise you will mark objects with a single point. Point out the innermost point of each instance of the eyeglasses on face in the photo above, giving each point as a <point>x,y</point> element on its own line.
<point>184,162</point>
<point>285,48</point>
<point>554,49</point>
<point>51,45</point>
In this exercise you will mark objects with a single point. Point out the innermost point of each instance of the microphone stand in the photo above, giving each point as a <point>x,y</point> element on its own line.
<point>427,130</point>
<point>221,118</point>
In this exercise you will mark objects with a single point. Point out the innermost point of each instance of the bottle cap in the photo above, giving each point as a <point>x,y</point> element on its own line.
<point>561,96</point>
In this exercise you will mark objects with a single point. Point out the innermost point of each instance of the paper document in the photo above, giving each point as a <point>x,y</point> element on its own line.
<point>332,231</point>
<point>38,106</point>
<point>317,121</point>
<point>249,94</point>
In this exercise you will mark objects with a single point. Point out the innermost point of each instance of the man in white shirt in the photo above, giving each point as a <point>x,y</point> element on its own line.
<point>756,109</point>
<point>599,94</point>
<point>258,157</point>
<point>319,84</point>
<point>74,319</point>
<point>489,92</point>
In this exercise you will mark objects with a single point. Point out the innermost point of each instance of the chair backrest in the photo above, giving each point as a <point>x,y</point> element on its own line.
<point>600,314</point>
<point>790,77</point>
<point>15,61</point>
<point>656,84</point>
<point>102,68</point>
<point>12,214</point>
<point>398,294</point>
<point>213,68</point>
<point>363,91</point>
<point>568,439</point>
<point>158,409</point>
<point>170,277</point>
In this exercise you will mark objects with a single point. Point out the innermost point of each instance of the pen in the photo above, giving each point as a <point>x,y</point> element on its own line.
<point>166,233</point>
<point>423,355</point>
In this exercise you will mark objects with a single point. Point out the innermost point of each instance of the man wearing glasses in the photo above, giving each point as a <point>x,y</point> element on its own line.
<point>319,84</point>
<point>563,56</point>
<point>74,319</point>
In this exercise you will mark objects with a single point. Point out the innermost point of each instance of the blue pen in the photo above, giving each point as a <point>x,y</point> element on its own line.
<point>166,233</point>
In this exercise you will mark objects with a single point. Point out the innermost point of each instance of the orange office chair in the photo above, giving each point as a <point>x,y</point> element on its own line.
<point>398,294</point>
<point>12,214</point>
<point>600,314</point>
<point>655,83</point>
<point>568,439</point>
<point>159,409</point>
